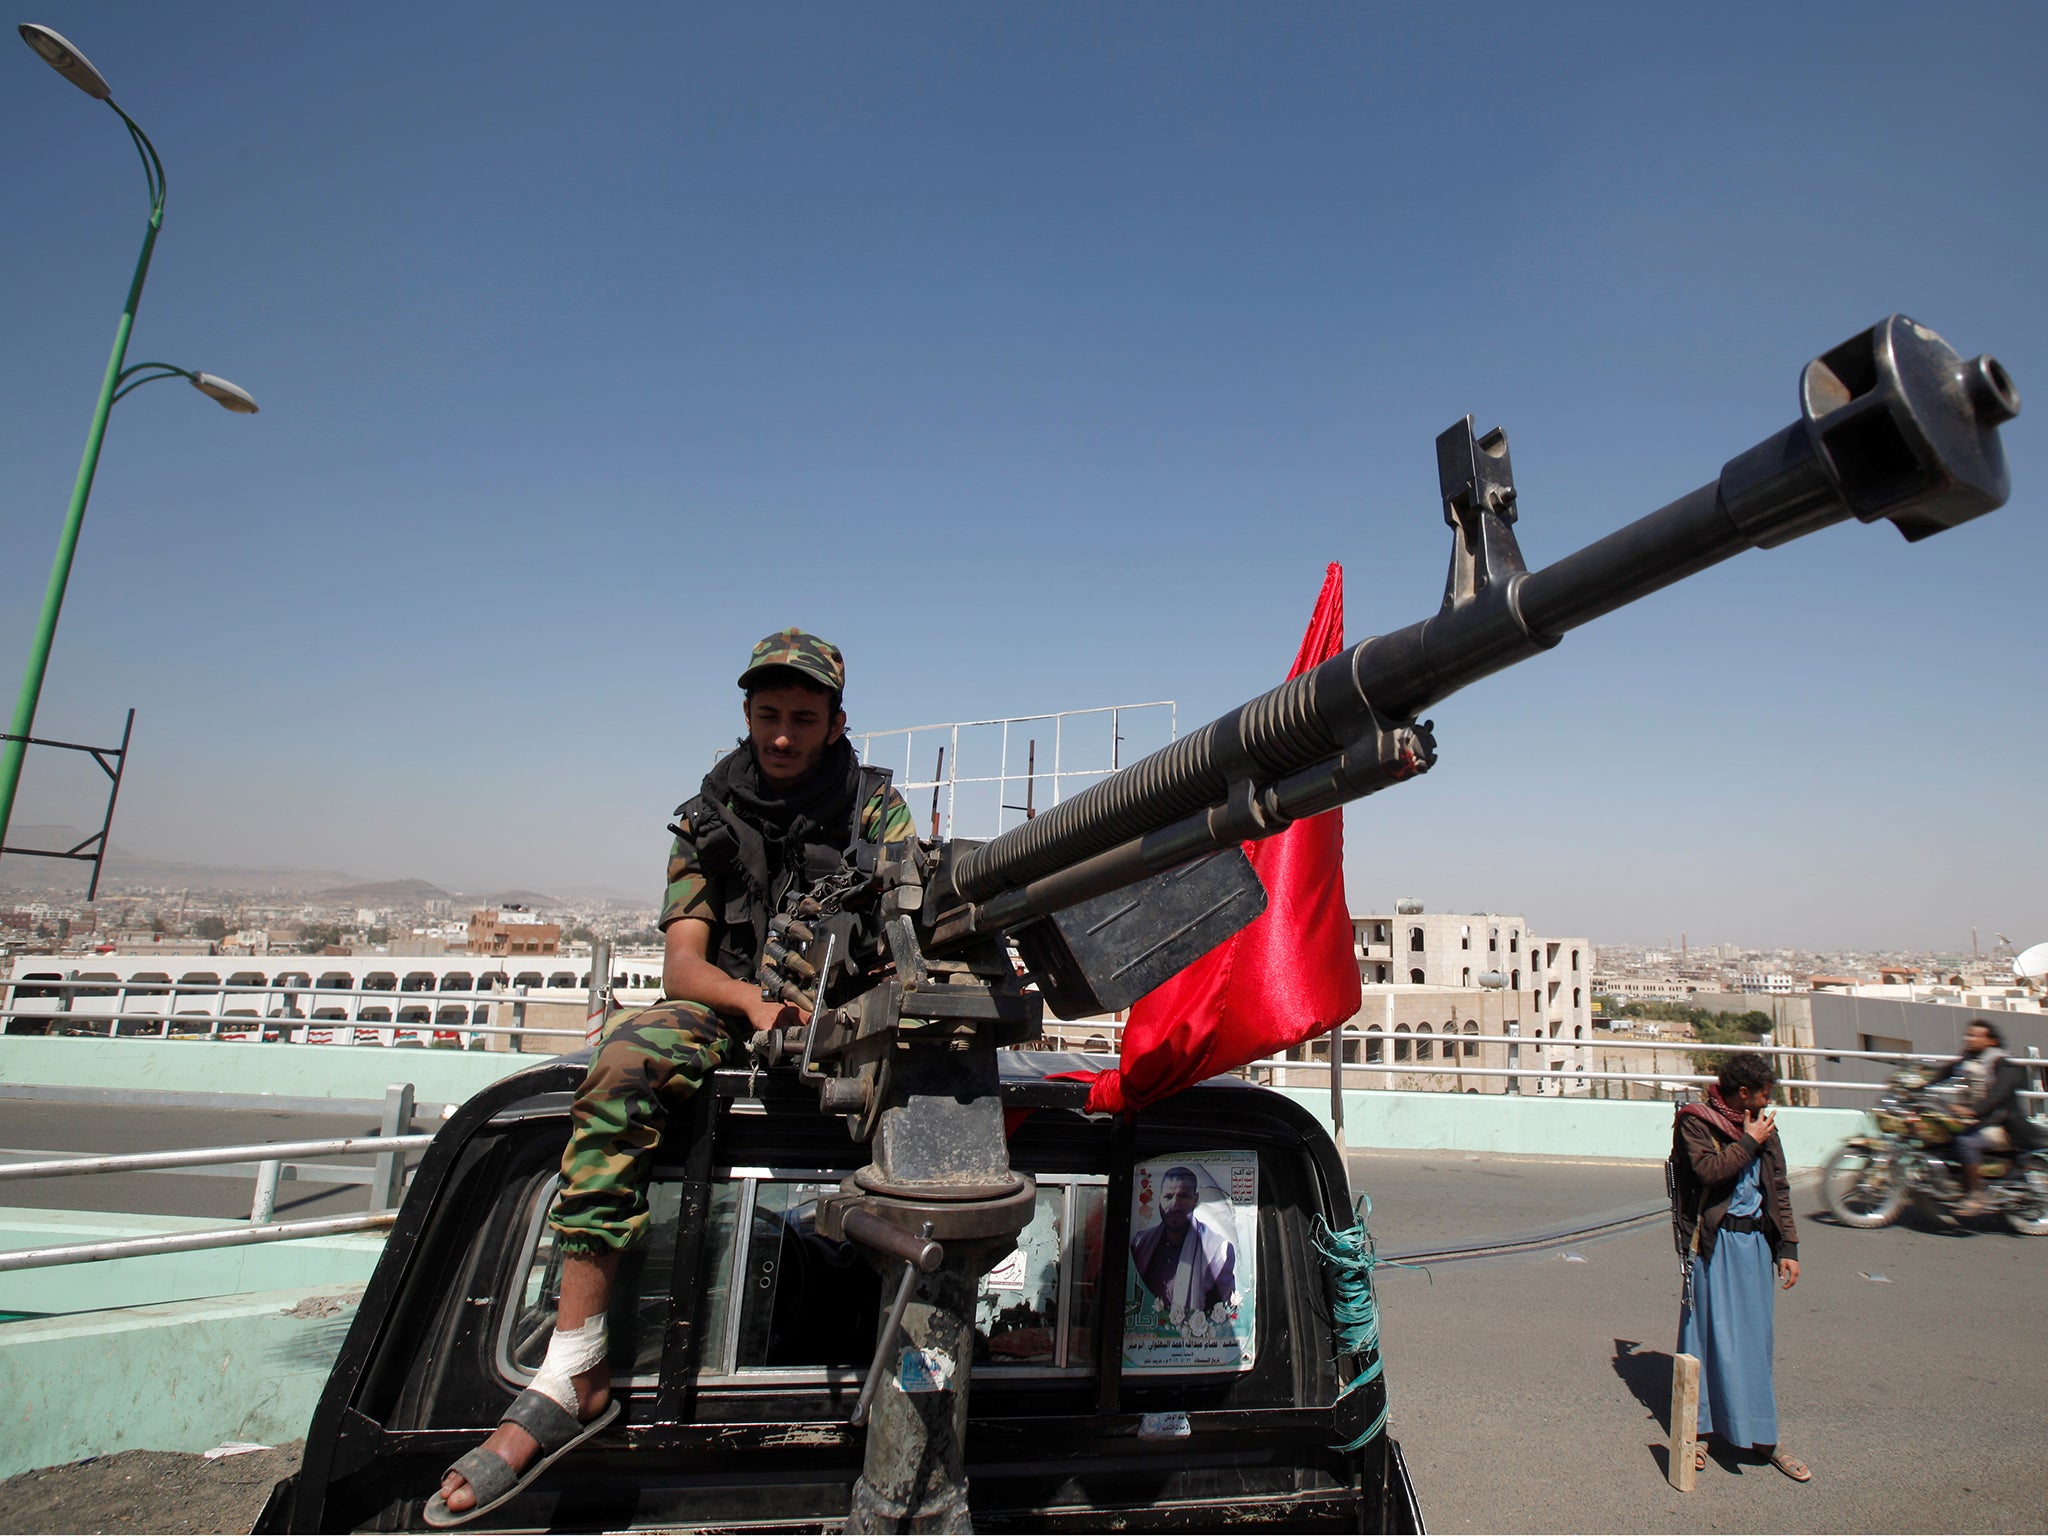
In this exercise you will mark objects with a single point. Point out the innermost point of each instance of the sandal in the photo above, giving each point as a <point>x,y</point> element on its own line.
<point>1791,1466</point>
<point>490,1476</point>
<point>1699,1455</point>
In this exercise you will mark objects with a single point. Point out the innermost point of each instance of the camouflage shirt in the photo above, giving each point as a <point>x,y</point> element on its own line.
<point>694,893</point>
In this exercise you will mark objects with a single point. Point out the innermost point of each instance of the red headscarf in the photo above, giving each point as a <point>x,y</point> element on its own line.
<point>1716,1111</point>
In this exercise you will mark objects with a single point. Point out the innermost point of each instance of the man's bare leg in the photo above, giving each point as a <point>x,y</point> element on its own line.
<point>1972,1203</point>
<point>586,1293</point>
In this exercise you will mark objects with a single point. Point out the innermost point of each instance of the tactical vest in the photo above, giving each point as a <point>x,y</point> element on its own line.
<point>744,913</point>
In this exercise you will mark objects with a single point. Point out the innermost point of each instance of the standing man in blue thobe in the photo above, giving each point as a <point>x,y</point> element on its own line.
<point>1735,1223</point>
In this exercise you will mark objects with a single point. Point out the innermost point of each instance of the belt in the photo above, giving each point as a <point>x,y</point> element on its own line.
<point>1742,1223</point>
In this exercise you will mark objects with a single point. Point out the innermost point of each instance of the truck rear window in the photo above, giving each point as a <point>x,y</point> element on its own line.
<point>780,1303</point>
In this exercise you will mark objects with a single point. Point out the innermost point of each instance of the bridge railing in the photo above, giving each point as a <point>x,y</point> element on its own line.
<point>385,1177</point>
<point>1555,1067</point>
<point>468,1017</point>
<point>463,1018</point>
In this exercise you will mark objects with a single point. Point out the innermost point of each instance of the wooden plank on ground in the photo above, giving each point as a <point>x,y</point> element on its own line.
<point>1685,1417</point>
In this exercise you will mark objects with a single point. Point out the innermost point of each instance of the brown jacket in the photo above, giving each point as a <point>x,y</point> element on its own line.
<point>1708,1165</point>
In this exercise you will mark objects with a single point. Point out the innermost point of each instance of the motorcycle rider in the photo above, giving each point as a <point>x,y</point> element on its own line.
<point>1992,1085</point>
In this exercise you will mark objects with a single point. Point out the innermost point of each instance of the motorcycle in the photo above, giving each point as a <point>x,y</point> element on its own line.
<point>1913,1157</point>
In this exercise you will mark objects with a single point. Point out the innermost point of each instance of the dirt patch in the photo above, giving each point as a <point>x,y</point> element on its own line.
<point>170,1491</point>
<point>326,1306</point>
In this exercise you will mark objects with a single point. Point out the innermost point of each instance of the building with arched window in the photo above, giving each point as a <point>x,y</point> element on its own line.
<point>1479,973</point>
<point>363,999</point>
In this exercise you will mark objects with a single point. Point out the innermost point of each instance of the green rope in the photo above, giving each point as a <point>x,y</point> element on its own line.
<point>1352,1257</point>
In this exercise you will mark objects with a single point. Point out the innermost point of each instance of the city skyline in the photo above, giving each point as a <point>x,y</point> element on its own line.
<point>1040,359</point>
<point>220,889</point>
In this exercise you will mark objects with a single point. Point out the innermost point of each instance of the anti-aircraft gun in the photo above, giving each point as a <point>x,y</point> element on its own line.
<point>902,960</point>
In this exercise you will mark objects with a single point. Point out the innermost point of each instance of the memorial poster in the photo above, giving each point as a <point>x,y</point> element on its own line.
<point>1190,1290</point>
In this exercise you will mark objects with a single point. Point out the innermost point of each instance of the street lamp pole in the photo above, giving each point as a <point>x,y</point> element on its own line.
<point>74,66</point>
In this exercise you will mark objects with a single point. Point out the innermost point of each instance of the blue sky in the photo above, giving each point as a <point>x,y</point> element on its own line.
<point>1040,356</point>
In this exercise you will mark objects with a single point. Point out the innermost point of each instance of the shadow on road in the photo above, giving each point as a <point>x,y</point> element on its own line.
<point>1646,1373</point>
<point>1918,1216</point>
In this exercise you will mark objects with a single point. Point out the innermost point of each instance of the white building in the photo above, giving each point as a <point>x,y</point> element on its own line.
<point>1646,989</point>
<point>361,999</point>
<point>1429,975</point>
<point>1547,984</point>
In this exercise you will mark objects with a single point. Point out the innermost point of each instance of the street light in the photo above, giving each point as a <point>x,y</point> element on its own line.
<point>66,60</point>
<point>58,53</point>
<point>229,395</point>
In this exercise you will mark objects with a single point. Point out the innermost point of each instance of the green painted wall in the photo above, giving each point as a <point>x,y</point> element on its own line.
<point>182,1377</point>
<point>1540,1125</point>
<point>239,1066</point>
<point>166,1277</point>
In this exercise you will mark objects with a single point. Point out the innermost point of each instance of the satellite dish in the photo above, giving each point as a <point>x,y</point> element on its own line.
<point>2031,964</point>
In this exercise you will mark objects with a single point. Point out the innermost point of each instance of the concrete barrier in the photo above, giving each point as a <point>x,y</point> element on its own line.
<point>1547,1126</point>
<point>183,1377</point>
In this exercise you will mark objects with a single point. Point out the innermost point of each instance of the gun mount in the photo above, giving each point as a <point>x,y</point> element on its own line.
<point>902,959</point>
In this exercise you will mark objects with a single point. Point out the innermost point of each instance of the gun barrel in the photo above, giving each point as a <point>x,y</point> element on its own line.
<point>1893,424</point>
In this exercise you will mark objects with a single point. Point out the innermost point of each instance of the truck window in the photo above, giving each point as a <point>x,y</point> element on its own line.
<point>779,1302</point>
<point>640,1297</point>
<point>803,1301</point>
<point>1016,1316</point>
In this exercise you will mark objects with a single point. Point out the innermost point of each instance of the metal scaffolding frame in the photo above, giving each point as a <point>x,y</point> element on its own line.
<point>93,849</point>
<point>945,780</point>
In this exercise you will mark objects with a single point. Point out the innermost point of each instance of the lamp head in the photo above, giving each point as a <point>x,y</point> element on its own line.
<point>232,397</point>
<point>66,60</point>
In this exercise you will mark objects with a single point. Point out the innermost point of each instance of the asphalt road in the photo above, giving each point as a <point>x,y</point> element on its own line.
<point>1531,1394</point>
<point>30,1127</point>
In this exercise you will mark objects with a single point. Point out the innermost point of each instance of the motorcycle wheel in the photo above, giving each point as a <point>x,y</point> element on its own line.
<point>2030,1218</point>
<point>1861,1189</point>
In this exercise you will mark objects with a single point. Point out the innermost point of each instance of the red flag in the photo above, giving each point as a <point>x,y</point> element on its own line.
<point>1287,976</point>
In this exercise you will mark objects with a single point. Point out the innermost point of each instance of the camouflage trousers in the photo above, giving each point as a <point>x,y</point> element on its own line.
<point>648,1061</point>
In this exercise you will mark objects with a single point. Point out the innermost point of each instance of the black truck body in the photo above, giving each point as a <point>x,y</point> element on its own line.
<point>740,1336</point>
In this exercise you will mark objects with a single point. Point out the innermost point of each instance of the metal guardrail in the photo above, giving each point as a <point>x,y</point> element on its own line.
<point>296,1022</point>
<point>201,1157</point>
<point>1317,1068</point>
<point>385,1177</point>
<point>188,1242</point>
<point>1544,1071</point>
<point>201,1010</point>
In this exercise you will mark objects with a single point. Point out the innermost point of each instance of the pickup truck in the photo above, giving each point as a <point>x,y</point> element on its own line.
<point>741,1336</point>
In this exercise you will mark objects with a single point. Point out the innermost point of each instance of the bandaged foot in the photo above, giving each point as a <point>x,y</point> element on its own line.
<point>571,1352</point>
<point>573,1375</point>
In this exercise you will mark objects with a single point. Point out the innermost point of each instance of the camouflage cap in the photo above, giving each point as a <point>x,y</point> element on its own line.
<point>819,660</point>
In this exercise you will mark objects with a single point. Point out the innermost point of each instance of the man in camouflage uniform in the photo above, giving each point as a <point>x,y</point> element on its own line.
<point>778,811</point>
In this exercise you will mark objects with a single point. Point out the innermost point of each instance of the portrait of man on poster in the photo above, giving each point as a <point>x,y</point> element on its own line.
<point>1187,1265</point>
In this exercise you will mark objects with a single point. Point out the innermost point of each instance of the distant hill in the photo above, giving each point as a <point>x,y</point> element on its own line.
<point>126,870</point>
<point>382,893</point>
<point>509,899</point>
<point>598,895</point>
